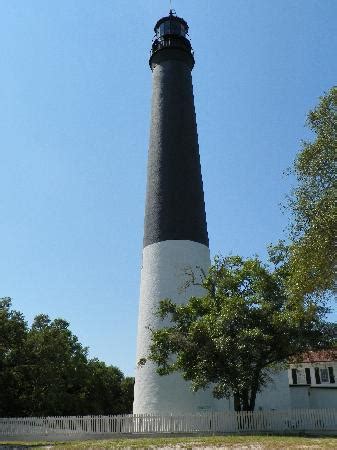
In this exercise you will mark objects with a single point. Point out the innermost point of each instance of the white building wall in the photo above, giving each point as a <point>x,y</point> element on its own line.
<point>299,397</point>
<point>164,275</point>
<point>276,395</point>
<point>322,398</point>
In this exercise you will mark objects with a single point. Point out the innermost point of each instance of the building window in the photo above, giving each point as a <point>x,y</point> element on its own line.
<point>316,375</point>
<point>294,376</point>
<point>307,375</point>
<point>331,375</point>
<point>301,376</point>
<point>324,375</point>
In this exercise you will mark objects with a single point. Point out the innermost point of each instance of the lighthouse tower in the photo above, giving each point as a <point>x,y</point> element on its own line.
<point>175,228</point>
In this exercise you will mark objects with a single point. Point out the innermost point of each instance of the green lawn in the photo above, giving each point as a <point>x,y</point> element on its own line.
<point>260,442</point>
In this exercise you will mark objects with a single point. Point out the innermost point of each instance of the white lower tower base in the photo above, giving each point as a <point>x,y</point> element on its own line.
<point>163,275</point>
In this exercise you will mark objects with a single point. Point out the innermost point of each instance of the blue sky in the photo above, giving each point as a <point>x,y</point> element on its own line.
<point>75,89</point>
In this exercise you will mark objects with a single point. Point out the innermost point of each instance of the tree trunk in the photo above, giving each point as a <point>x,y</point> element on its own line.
<point>237,403</point>
<point>253,391</point>
<point>245,400</point>
<point>252,399</point>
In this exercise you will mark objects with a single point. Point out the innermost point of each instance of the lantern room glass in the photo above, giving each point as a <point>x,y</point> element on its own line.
<point>171,26</point>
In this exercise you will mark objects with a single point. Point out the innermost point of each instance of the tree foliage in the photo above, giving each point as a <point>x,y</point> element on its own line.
<point>13,332</point>
<point>56,363</point>
<point>312,253</point>
<point>234,336</point>
<point>44,370</point>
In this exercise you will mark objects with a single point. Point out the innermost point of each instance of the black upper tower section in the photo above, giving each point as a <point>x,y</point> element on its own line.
<point>175,208</point>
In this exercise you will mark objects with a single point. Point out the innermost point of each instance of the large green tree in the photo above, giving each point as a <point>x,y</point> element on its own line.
<point>56,369</point>
<point>104,389</point>
<point>234,336</point>
<point>312,203</point>
<point>44,370</point>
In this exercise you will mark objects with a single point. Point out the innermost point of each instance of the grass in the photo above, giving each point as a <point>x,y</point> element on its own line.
<point>256,441</point>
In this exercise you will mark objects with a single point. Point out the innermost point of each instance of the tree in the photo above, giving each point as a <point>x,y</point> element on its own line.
<point>127,386</point>
<point>56,368</point>
<point>13,332</point>
<point>312,251</point>
<point>107,390</point>
<point>44,370</point>
<point>104,389</point>
<point>236,334</point>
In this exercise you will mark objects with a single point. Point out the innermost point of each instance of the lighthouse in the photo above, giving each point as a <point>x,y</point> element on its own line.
<point>175,229</point>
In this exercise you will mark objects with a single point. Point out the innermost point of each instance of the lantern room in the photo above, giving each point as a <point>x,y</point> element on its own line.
<point>171,25</point>
<point>171,41</point>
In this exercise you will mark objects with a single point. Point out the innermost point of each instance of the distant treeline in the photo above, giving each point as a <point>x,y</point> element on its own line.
<point>45,371</point>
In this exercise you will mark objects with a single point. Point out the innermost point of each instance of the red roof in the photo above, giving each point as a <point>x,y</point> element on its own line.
<point>316,356</point>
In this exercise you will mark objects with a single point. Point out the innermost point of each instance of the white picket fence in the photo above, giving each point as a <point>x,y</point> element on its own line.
<point>293,421</point>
